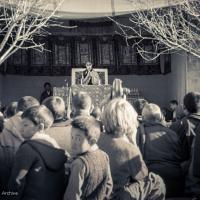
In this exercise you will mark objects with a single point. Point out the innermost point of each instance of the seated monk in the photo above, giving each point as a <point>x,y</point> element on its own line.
<point>90,76</point>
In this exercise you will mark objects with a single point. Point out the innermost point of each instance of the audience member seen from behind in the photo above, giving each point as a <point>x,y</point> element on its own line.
<point>96,113</point>
<point>173,105</point>
<point>1,122</point>
<point>11,110</point>
<point>38,171</point>
<point>11,139</point>
<point>90,176</point>
<point>81,104</point>
<point>61,128</point>
<point>47,92</point>
<point>139,105</point>
<point>189,134</point>
<point>161,150</point>
<point>130,175</point>
<point>11,136</point>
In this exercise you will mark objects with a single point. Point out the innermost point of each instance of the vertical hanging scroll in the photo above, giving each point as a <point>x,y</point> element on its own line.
<point>105,52</point>
<point>61,52</point>
<point>128,55</point>
<point>83,51</point>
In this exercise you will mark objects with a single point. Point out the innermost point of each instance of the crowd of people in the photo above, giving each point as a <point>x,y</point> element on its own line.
<point>116,152</point>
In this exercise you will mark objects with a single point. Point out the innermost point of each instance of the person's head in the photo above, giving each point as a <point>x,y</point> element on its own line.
<point>139,105</point>
<point>35,119</point>
<point>81,101</point>
<point>27,102</point>
<point>56,105</point>
<point>117,90</point>
<point>96,113</point>
<point>88,66</point>
<point>47,86</point>
<point>11,110</point>
<point>85,133</point>
<point>1,115</point>
<point>120,118</point>
<point>173,104</point>
<point>192,102</point>
<point>151,112</point>
<point>1,122</point>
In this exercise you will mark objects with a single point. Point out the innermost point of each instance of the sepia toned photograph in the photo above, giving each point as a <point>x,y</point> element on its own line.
<point>100,100</point>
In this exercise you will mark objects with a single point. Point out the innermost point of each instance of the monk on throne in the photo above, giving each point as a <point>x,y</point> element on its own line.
<point>90,76</point>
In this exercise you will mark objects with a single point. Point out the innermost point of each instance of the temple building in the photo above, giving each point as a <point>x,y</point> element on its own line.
<point>95,39</point>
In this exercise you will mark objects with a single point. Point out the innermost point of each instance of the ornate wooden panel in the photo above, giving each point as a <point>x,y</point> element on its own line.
<point>67,52</point>
<point>105,52</point>
<point>40,58</point>
<point>20,58</point>
<point>61,51</point>
<point>83,51</point>
<point>128,55</point>
<point>148,47</point>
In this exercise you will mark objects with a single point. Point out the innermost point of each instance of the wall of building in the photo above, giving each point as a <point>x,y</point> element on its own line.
<point>159,89</point>
<point>152,87</point>
<point>176,85</point>
<point>193,74</point>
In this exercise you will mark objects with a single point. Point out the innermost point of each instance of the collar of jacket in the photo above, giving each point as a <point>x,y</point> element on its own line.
<point>153,123</point>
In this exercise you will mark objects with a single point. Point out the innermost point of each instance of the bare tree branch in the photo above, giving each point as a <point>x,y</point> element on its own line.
<point>170,28</point>
<point>23,20</point>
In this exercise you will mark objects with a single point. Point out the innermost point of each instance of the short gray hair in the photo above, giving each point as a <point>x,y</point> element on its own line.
<point>151,112</point>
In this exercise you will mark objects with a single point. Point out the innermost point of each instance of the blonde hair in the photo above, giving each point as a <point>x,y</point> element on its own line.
<point>119,117</point>
<point>151,112</point>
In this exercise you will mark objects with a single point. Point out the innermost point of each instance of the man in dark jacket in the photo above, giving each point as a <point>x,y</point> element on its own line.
<point>189,134</point>
<point>161,150</point>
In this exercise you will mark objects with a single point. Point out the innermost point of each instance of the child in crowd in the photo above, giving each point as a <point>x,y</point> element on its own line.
<point>90,176</point>
<point>131,178</point>
<point>61,128</point>
<point>38,171</point>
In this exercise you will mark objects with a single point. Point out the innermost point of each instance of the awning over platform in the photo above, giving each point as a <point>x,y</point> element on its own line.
<point>83,9</point>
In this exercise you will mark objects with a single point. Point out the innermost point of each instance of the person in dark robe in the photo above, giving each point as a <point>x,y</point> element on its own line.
<point>47,92</point>
<point>90,76</point>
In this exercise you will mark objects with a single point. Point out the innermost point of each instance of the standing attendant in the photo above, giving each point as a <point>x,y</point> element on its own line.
<point>47,92</point>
